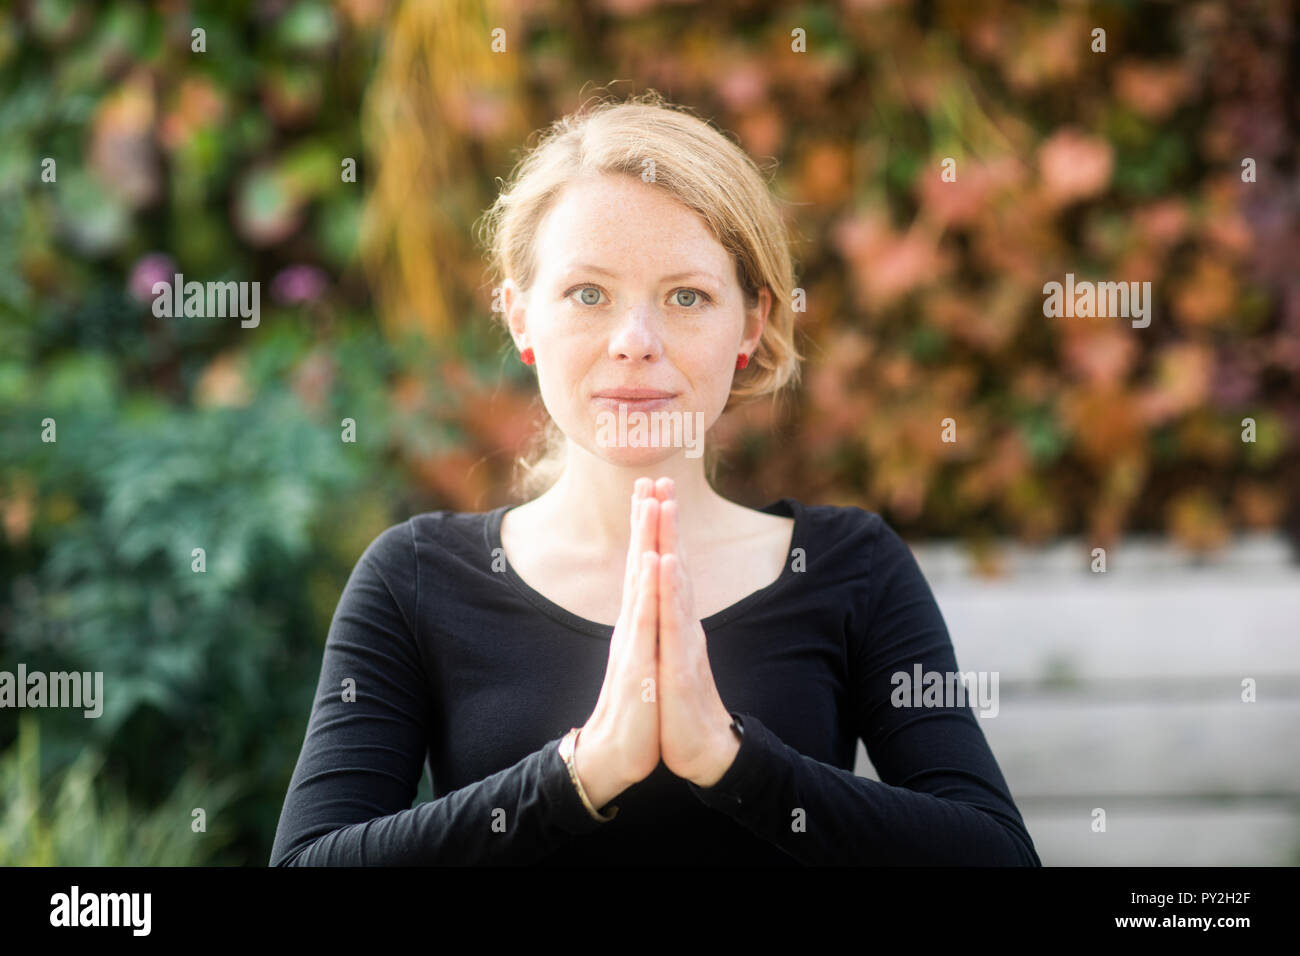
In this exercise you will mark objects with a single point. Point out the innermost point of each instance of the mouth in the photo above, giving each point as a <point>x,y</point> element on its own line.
<point>634,398</point>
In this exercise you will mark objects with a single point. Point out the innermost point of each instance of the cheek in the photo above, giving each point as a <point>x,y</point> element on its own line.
<point>711,349</point>
<point>566,375</point>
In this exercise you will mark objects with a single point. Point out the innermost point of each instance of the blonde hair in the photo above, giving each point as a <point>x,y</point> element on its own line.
<point>702,169</point>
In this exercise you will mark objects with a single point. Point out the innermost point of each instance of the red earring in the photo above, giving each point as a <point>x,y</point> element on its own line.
<point>742,360</point>
<point>526,356</point>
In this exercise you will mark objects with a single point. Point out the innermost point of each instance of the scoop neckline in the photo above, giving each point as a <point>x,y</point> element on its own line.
<point>785,507</point>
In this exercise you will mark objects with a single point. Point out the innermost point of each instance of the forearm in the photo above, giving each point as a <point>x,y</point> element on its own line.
<point>824,815</point>
<point>515,816</point>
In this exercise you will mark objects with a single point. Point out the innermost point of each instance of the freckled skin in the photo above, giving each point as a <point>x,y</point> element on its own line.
<point>648,326</point>
<point>681,336</point>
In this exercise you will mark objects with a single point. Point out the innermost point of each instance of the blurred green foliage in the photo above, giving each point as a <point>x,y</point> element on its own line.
<point>77,818</point>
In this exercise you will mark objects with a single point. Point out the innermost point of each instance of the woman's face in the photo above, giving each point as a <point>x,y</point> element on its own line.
<point>631,292</point>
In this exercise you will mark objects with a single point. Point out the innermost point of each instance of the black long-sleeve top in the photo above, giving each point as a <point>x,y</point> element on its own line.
<point>438,651</point>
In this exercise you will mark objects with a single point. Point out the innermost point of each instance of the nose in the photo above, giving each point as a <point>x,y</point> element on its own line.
<point>637,336</point>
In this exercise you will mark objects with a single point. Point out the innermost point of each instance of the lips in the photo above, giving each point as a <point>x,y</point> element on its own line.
<point>633,399</point>
<point>633,394</point>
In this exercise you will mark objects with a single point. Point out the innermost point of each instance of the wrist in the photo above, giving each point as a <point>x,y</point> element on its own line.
<point>592,767</point>
<point>724,752</point>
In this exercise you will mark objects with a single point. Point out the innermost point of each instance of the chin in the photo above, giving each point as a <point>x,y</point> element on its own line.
<point>634,457</point>
<point>677,432</point>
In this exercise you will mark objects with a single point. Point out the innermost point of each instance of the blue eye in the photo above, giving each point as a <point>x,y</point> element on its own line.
<point>586,300</point>
<point>696,296</point>
<point>584,288</point>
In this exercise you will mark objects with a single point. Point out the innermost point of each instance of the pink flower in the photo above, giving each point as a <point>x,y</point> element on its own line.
<point>300,283</point>
<point>155,267</point>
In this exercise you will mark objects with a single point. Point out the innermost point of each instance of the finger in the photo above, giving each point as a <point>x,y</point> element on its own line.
<point>650,528</point>
<point>636,543</point>
<point>670,530</point>
<point>668,537</point>
<point>646,617</point>
<point>669,614</point>
<point>643,488</point>
<point>663,493</point>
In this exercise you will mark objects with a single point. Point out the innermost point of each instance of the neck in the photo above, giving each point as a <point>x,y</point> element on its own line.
<point>591,500</point>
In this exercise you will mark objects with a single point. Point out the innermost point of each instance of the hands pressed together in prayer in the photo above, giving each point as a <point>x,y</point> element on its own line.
<point>658,700</point>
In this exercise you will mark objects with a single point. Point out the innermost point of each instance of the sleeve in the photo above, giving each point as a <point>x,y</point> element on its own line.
<point>349,800</point>
<point>941,798</point>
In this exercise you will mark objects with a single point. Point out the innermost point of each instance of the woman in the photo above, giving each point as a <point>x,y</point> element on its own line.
<point>629,668</point>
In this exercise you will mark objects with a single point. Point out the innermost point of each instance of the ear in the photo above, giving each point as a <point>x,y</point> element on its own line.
<point>515,305</point>
<point>756,320</point>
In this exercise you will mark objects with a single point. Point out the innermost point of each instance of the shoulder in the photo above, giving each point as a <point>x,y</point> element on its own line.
<point>849,530</point>
<point>891,599</point>
<point>387,564</point>
<point>439,542</point>
<point>855,539</point>
<point>391,543</point>
<point>404,560</point>
<point>428,527</point>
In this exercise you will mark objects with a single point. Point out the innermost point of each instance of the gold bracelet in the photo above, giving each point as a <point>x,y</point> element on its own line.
<point>568,745</point>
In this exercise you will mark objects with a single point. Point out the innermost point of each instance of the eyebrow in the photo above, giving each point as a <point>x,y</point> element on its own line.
<point>588,267</point>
